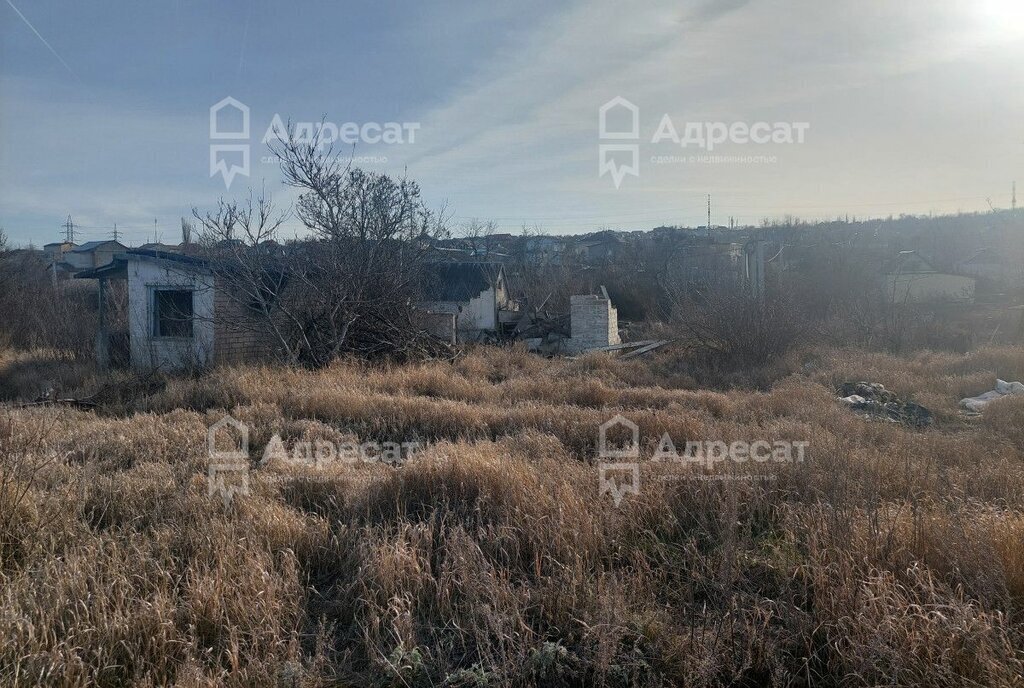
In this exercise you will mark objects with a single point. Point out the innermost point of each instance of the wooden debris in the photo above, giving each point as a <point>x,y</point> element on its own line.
<point>646,349</point>
<point>626,345</point>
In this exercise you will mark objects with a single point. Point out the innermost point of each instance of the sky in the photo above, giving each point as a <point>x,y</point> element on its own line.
<point>906,107</point>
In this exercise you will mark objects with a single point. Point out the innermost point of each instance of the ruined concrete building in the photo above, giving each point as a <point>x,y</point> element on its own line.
<point>177,316</point>
<point>466,301</point>
<point>594,323</point>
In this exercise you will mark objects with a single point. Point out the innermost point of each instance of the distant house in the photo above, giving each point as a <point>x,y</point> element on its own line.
<point>910,277</point>
<point>702,263</point>
<point>177,317</point>
<point>165,248</point>
<point>93,254</point>
<point>544,249</point>
<point>55,263</point>
<point>55,251</point>
<point>463,301</point>
<point>601,248</point>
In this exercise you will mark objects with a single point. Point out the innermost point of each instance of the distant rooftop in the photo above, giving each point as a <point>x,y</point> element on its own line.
<point>93,245</point>
<point>459,281</point>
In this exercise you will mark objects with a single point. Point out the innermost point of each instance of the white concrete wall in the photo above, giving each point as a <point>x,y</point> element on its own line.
<point>594,323</point>
<point>167,353</point>
<point>79,261</point>
<point>469,318</point>
<point>480,313</point>
<point>91,259</point>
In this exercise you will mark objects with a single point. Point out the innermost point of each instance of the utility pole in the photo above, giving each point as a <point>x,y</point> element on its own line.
<point>1013,200</point>
<point>709,215</point>
<point>69,230</point>
<point>754,256</point>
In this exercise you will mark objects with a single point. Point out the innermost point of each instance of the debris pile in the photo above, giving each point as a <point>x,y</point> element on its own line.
<point>591,325</point>
<point>875,401</point>
<point>1003,389</point>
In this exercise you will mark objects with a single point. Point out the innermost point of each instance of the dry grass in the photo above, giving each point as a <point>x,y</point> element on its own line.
<point>889,557</point>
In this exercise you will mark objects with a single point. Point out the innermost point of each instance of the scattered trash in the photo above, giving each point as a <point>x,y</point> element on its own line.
<point>875,401</point>
<point>1003,389</point>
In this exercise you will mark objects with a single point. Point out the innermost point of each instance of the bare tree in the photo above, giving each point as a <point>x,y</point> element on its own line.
<point>5,274</point>
<point>544,279</point>
<point>479,234</point>
<point>187,229</point>
<point>351,284</point>
<point>249,269</point>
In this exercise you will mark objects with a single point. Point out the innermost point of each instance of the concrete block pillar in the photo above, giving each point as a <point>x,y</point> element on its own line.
<point>594,323</point>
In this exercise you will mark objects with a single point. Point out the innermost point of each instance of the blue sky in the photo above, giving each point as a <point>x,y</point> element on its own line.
<point>913,106</point>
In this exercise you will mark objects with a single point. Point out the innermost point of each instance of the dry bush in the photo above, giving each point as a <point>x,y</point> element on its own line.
<point>1006,417</point>
<point>732,340</point>
<point>36,312</point>
<point>733,330</point>
<point>35,373</point>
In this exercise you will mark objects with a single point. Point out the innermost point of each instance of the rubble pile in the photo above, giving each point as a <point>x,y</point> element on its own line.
<point>875,401</point>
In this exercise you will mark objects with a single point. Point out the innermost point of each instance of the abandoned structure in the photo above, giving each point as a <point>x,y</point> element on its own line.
<point>162,310</point>
<point>466,302</point>
<point>593,322</point>
<point>175,316</point>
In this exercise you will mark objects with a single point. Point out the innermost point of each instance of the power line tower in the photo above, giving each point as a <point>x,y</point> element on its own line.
<point>117,235</point>
<point>1013,199</point>
<point>69,230</point>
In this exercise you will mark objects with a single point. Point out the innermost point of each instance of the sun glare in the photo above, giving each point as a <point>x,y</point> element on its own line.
<point>1004,18</point>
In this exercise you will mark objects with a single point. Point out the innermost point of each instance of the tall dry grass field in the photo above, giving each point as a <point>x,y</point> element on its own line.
<point>889,556</point>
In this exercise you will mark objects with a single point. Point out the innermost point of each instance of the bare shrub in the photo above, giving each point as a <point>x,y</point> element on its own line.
<point>727,331</point>
<point>37,312</point>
